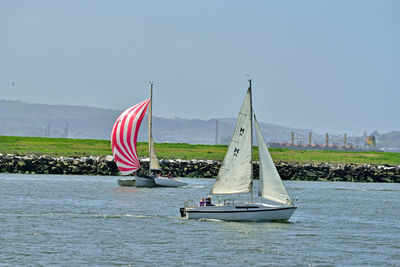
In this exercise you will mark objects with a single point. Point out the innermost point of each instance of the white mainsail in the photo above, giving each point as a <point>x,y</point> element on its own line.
<point>154,163</point>
<point>153,160</point>
<point>271,186</point>
<point>235,174</point>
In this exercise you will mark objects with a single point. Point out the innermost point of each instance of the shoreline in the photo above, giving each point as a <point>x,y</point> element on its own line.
<point>33,164</point>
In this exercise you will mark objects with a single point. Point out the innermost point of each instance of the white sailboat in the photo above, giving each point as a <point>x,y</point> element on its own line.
<point>236,177</point>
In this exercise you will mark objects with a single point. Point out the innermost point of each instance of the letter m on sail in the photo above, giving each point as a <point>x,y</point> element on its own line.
<point>236,152</point>
<point>241,131</point>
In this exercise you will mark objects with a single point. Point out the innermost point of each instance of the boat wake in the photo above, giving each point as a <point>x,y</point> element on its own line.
<point>197,186</point>
<point>93,215</point>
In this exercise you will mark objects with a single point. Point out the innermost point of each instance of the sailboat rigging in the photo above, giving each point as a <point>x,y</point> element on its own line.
<point>147,180</point>
<point>236,177</point>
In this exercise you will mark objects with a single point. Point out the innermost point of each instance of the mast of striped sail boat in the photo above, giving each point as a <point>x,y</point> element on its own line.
<point>154,165</point>
<point>150,124</point>
<point>147,180</point>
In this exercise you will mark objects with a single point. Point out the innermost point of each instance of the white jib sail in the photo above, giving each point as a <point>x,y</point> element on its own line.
<point>154,164</point>
<point>234,175</point>
<point>271,186</point>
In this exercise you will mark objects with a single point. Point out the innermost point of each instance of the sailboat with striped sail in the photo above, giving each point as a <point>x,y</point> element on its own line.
<point>123,143</point>
<point>236,177</point>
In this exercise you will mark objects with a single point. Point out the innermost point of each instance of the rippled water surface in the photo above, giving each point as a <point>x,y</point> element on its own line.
<point>90,220</point>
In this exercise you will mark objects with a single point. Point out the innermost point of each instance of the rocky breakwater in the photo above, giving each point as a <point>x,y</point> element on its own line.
<point>33,164</point>
<point>339,172</point>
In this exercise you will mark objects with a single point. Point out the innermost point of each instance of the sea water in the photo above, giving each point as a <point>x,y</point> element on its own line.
<point>91,221</point>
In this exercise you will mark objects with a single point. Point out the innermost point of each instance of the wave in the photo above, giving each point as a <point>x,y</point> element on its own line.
<point>367,189</point>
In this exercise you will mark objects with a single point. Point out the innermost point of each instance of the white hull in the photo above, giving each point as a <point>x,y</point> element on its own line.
<point>145,181</point>
<point>241,212</point>
<point>168,182</point>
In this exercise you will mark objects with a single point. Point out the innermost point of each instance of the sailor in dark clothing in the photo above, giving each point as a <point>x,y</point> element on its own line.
<point>208,201</point>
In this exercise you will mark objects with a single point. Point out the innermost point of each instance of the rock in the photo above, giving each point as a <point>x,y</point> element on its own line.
<point>109,158</point>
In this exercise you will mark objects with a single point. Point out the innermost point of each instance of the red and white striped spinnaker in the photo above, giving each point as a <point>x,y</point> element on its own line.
<point>124,136</point>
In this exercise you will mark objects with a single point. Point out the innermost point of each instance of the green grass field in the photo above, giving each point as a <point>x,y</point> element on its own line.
<point>87,147</point>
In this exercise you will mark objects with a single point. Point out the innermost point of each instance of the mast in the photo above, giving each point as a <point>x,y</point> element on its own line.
<point>150,124</point>
<point>251,142</point>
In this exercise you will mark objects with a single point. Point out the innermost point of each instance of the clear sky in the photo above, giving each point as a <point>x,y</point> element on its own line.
<point>331,66</point>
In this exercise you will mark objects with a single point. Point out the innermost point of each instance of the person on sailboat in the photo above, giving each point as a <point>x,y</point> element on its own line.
<point>202,202</point>
<point>208,201</point>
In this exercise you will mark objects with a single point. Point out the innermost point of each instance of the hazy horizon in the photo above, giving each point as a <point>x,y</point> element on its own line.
<point>211,119</point>
<point>328,66</point>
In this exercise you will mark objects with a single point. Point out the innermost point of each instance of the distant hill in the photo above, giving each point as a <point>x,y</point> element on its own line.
<point>22,119</point>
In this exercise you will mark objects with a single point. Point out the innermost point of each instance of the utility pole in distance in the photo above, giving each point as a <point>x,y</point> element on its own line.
<point>216,131</point>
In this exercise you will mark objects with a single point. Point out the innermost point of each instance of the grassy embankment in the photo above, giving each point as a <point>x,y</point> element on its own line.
<point>86,147</point>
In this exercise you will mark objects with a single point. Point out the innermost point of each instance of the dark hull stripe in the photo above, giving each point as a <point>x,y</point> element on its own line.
<point>236,211</point>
